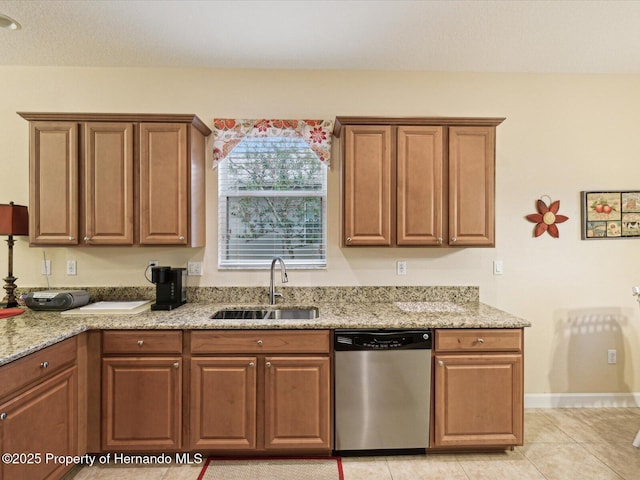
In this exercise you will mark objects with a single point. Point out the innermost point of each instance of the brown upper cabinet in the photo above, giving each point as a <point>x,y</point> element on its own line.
<point>116,179</point>
<point>418,181</point>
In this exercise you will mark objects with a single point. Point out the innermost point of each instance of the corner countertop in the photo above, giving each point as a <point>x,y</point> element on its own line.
<point>31,331</point>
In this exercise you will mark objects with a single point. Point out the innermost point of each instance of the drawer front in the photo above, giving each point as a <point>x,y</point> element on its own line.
<point>479,340</point>
<point>260,341</point>
<point>37,366</point>
<point>141,342</point>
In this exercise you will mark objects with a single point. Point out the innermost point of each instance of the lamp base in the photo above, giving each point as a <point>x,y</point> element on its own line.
<point>9,301</point>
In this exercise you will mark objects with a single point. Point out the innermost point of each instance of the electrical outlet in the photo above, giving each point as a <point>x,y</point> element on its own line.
<point>46,267</point>
<point>635,290</point>
<point>498,267</point>
<point>71,267</point>
<point>153,263</point>
<point>194,269</point>
<point>401,267</point>
<point>612,357</point>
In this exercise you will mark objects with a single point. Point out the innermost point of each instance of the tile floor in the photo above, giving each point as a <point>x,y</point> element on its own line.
<point>560,444</point>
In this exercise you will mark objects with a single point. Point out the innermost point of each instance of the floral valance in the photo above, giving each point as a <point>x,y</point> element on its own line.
<point>227,133</point>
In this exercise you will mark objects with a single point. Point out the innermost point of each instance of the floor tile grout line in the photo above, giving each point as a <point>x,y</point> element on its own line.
<point>617,474</point>
<point>524,454</point>
<point>620,475</point>
<point>463,469</point>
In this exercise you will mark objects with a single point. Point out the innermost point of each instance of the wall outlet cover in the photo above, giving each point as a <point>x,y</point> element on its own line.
<point>71,267</point>
<point>194,269</point>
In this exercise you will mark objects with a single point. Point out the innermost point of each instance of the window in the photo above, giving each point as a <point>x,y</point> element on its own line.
<point>272,196</point>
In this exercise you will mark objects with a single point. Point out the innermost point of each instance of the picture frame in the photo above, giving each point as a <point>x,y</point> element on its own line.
<point>609,214</point>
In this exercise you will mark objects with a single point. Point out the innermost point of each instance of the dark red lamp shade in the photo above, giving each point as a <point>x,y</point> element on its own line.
<point>14,220</point>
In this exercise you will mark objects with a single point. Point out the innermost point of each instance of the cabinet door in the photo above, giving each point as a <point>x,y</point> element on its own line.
<point>419,187</point>
<point>141,403</point>
<point>53,183</point>
<point>297,403</point>
<point>478,400</point>
<point>164,202</point>
<point>108,183</point>
<point>471,186</point>
<point>223,403</point>
<point>368,176</point>
<point>42,420</point>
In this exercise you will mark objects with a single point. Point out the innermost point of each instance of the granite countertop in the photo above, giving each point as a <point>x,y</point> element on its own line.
<point>31,331</point>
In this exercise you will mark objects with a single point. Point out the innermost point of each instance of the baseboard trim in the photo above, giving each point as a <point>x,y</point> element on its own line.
<point>581,400</point>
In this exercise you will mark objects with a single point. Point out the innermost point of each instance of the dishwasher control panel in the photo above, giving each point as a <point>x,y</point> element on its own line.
<point>382,339</point>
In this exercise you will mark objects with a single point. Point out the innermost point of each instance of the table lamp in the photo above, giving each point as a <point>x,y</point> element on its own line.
<point>14,220</point>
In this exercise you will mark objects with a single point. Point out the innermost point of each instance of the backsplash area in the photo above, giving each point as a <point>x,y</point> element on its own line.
<point>454,294</point>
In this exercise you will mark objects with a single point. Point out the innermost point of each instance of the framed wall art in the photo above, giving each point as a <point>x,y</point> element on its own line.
<point>610,214</point>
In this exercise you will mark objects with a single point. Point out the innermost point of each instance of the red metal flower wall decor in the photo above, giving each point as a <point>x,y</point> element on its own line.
<point>547,218</point>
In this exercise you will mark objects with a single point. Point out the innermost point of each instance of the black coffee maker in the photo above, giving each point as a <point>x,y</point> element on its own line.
<point>171,287</point>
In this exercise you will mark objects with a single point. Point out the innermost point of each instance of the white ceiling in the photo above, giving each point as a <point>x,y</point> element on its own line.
<point>463,35</point>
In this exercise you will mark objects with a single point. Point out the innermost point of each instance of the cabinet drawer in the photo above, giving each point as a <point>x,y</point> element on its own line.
<point>140,342</point>
<point>476,340</point>
<point>260,341</point>
<point>36,366</point>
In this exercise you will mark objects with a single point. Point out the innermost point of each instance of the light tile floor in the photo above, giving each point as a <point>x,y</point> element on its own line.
<point>560,444</point>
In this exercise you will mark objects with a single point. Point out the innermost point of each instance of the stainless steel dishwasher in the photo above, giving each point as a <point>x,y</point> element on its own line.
<point>382,384</point>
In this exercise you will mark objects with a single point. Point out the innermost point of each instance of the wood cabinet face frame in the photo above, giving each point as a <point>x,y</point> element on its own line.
<point>62,149</point>
<point>146,365</point>
<point>53,183</point>
<point>43,390</point>
<point>277,359</point>
<point>478,388</point>
<point>460,206</point>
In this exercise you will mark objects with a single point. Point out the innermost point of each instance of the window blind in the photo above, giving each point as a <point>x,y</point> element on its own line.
<point>272,195</point>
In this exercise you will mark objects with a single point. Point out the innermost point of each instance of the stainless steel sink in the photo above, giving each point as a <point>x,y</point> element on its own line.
<point>266,314</point>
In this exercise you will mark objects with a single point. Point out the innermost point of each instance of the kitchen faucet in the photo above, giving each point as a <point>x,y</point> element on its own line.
<point>272,289</point>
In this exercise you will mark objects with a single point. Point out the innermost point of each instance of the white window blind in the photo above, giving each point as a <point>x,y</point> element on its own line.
<point>272,194</point>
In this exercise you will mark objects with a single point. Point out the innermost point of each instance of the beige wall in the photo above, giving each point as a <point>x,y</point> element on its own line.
<point>563,134</point>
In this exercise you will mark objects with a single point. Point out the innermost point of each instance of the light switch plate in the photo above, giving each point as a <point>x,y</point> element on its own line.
<point>498,267</point>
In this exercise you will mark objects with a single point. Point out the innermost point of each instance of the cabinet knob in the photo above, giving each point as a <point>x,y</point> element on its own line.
<point>268,364</point>
<point>140,342</point>
<point>176,365</point>
<point>72,238</point>
<point>348,239</point>
<point>86,239</point>
<point>181,238</point>
<point>454,239</point>
<point>260,342</point>
<point>481,340</point>
<point>441,363</point>
<point>3,416</point>
<point>44,365</point>
<point>252,364</point>
<point>440,240</point>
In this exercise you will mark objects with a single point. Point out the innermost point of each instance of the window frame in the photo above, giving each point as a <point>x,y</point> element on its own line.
<point>225,193</point>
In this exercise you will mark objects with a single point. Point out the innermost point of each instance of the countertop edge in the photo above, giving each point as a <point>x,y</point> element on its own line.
<point>51,327</point>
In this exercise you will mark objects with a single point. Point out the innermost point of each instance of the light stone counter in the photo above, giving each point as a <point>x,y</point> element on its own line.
<point>339,307</point>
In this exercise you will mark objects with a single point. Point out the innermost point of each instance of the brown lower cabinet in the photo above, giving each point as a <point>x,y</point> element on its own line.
<point>142,404</point>
<point>142,390</point>
<point>248,392</point>
<point>39,413</point>
<point>277,398</point>
<point>478,388</point>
